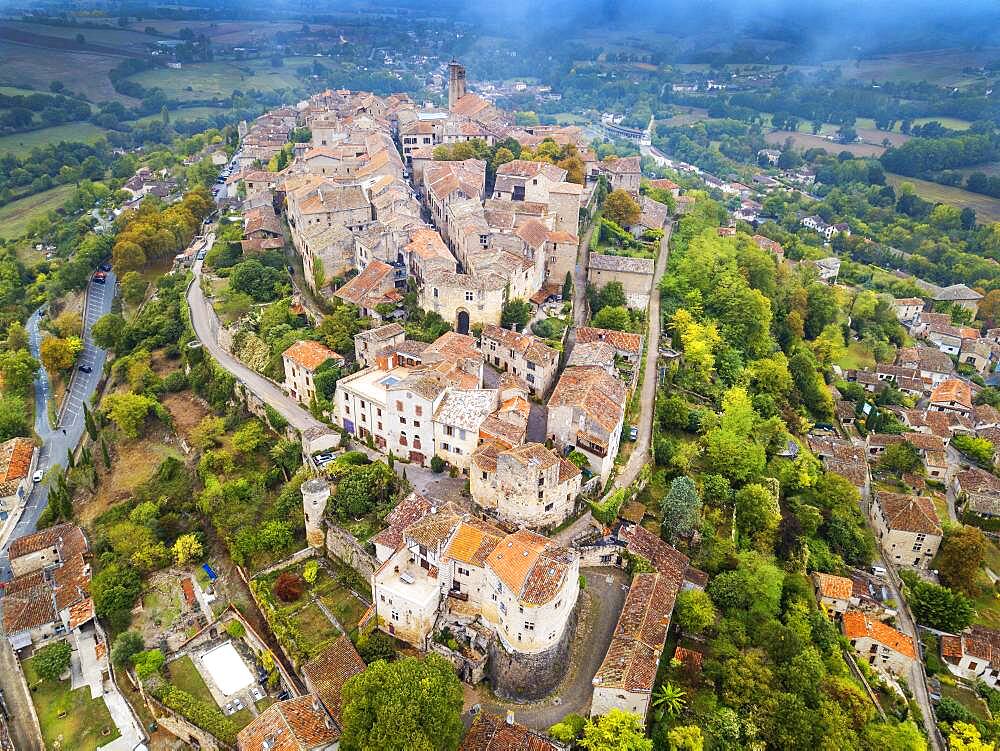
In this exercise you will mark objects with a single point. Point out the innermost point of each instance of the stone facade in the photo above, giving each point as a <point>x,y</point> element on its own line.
<point>525,677</point>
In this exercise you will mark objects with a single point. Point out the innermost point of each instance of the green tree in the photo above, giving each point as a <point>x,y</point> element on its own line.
<point>362,488</point>
<point>208,433</point>
<point>757,516</point>
<point>959,557</point>
<point>187,548</point>
<point>669,700</point>
<point>133,288</point>
<point>13,417</point>
<point>613,318</point>
<point>407,705</point>
<point>567,288</point>
<point>148,663</point>
<point>18,369</point>
<point>375,646</point>
<point>515,312</point>
<point>937,606</point>
<point>59,354</point>
<point>979,450</point>
<point>52,660</point>
<point>694,611</point>
<point>621,208</point>
<point>685,738</point>
<point>127,643</point>
<point>615,731</point>
<point>612,295</point>
<point>680,509</point>
<point>107,331</point>
<point>900,457</point>
<point>733,456</point>
<point>128,410</point>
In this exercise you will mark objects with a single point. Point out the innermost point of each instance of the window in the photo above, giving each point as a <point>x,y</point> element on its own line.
<point>529,626</point>
<point>468,296</point>
<point>448,430</point>
<point>484,475</point>
<point>418,410</point>
<point>458,450</point>
<point>402,421</point>
<point>435,292</point>
<point>463,571</point>
<point>399,406</point>
<point>444,447</point>
<point>530,378</point>
<point>416,441</point>
<point>494,597</point>
<point>347,409</point>
<point>559,604</point>
<point>541,481</point>
<point>378,411</point>
<point>503,608</point>
<point>541,495</point>
<point>416,423</point>
<point>395,615</point>
<point>548,506</point>
<point>531,366</point>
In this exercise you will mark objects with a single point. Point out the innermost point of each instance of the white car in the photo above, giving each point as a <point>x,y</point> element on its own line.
<point>39,474</point>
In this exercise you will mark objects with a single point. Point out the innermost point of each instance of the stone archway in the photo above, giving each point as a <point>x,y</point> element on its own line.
<point>462,324</point>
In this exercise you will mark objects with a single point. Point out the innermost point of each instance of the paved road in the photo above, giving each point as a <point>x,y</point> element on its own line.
<point>606,588</point>
<point>56,442</point>
<point>640,452</point>
<point>206,327</point>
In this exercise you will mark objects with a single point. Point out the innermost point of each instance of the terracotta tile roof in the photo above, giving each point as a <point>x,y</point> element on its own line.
<point>28,603</point>
<point>953,390</point>
<point>977,480</point>
<point>369,287</point>
<point>492,733</point>
<point>593,390</point>
<point>310,354</point>
<point>68,536</point>
<point>766,243</point>
<point>533,232</point>
<point>528,346</point>
<point>560,236</point>
<point>858,625</point>
<point>985,414</point>
<point>81,613</point>
<point>665,558</point>
<point>513,559</point>
<point>329,670</point>
<point>381,333</point>
<point>426,244</point>
<point>293,725</point>
<point>621,264</point>
<point>473,542</point>
<point>909,513</point>
<point>525,168</point>
<point>622,165</point>
<point>639,636</point>
<point>15,461</point>
<point>925,358</point>
<point>485,455</point>
<point>834,587</point>
<point>664,184</point>
<point>434,529</point>
<point>408,511</point>
<point>690,658</point>
<point>622,341</point>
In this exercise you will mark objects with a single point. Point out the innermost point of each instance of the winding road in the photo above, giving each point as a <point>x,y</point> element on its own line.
<point>57,441</point>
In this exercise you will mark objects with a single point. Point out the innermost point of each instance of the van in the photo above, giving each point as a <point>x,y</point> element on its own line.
<point>880,571</point>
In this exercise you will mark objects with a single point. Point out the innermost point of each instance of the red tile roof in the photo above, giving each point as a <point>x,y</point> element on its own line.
<point>327,673</point>
<point>298,724</point>
<point>492,733</point>
<point>858,625</point>
<point>310,355</point>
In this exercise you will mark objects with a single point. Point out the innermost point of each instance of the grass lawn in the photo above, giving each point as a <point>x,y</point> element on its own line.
<point>857,357</point>
<point>968,699</point>
<point>218,79</point>
<point>183,674</point>
<point>16,215</point>
<point>184,114</point>
<point>987,209</point>
<point>165,606</point>
<point>346,607</point>
<point>22,143</point>
<point>809,141</point>
<point>987,603</point>
<point>315,629</point>
<point>948,122</point>
<point>69,719</point>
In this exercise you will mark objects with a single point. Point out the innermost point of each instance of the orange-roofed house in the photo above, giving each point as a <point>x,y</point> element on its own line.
<point>974,654</point>
<point>301,361</point>
<point>907,528</point>
<point>298,724</point>
<point>524,355</point>
<point>952,395</point>
<point>17,463</point>
<point>835,592</point>
<point>880,644</point>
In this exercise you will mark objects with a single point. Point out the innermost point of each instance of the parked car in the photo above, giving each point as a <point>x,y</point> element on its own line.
<point>256,693</point>
<point>39,474</point>
<point>100,278</point>
<point>106,266</point>
<point>86,369</point>
<point>633,433</point>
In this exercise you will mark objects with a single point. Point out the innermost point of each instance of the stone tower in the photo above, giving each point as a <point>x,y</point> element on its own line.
<point>456,83</point>
<point>315,494</point>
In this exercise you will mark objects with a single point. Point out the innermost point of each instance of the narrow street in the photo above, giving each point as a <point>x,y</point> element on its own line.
<point>580,312</point>
<point>640,451</point>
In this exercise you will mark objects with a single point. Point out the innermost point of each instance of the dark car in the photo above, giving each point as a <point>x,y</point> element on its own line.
<point>105,266</point>
<point>101,278</point>
<point>86,369</point>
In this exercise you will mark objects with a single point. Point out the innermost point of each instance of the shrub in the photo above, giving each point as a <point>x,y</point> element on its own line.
<point>200,713</point>
<point>437,464</point>
<point>288,587</point>
<point>236,629</point>
<point>148,663</point>
<point>375,646</point>
<point>52,660</point>
<point>127,643</point>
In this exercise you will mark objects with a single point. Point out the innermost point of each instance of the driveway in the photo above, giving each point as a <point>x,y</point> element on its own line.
<point>605,596</point>
<point>56,442</point>
<point>640,452</point>
<point>206,327</point>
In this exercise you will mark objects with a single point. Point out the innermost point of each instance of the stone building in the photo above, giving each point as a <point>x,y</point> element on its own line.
<point>369,343</point>
<point>587,411</point>
<point>907,528</point>
<point>524,355</point>
<point>973,655</point>
<point>884,647</point>
<point>527,485</point>
<point>635,275</point>
<point>301,362</point>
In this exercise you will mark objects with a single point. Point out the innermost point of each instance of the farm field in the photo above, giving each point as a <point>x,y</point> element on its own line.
<point>809,141</point>
<point>220,32</point>
<point>124,39</point>
<point>15,216</point>
<point>948,122</point>
<point>941,67</point>
<point>22,143</point>
<point>217,80</point>
<point>82,72</point>
<point>987,209</point>
<point>183,114</point>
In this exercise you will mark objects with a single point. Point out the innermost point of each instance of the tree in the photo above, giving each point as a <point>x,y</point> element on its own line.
<point>615,731</point>
<point>621,208</point>
<point>58,354</point>
<point>128,410</point>
<point>579,459</point>
<point>516,312</point>
<point>107,331</point>
<point>14,414</point>
<point>17,337</point>
<point>67,324</point>
<point>437,464</point>
<point>937,606</point>
<point>614,318</point>
<point>133,288</point>
<point>126,644</point>
<point>733,456</point>
<point>612,295</point>
<point>669,700</point>
<point>288,587</point>
<point>310,571</point>
<point>208,433</point>
<point>18,369</point>
<point>52,660</point>
<point>567,288</point>
<point>960,556</point>
<point>114,590</point>
<point>685,738</point>
<point>681,509</point>
<point>694,611</point>
<point>965,736</point>
<point>186,548</point>
<point>148,663</point>
<point>757,516</point>
<point>980,450</point>
<point>409,704</point>
<point>375,646</point>
<point>900,458</point>
<point>361,489</point>
<point>255,279</point>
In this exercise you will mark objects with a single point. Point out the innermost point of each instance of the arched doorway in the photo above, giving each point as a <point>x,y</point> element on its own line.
<point>462,325</point>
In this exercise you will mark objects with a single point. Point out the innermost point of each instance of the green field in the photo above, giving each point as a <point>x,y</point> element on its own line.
<point>218,80</point>
<point>184,114</point>
<point>808,141</point>
<point>948,122</point>
<point>69,717</point>
<point>22,143</point>
<point>987,209</point>
<point>15,216</point>
<point>942,67</point>
<point>82,72</point>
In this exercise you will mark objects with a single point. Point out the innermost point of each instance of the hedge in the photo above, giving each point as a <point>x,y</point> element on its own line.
<point>202,714</point>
